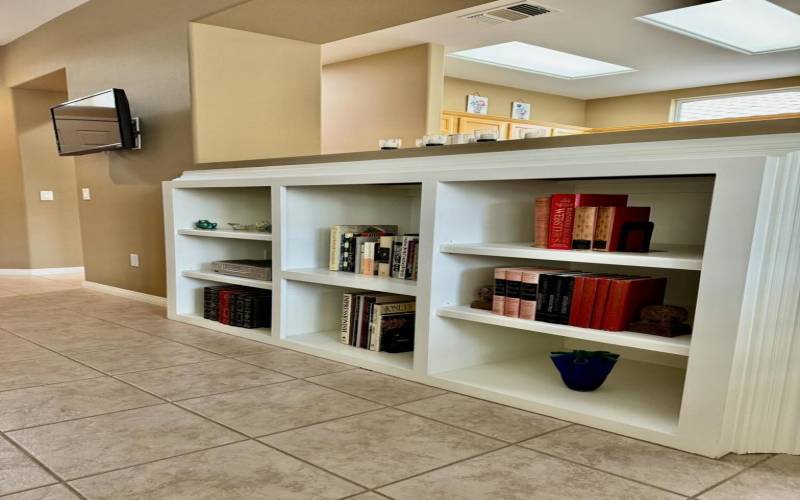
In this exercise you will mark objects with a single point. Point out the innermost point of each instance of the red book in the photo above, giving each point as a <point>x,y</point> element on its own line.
<point>609,225</point>
<point>599,303</point>
<point>577,302</point>
<point>562,214</point>
<point>627,296</point>
<point>583,318</point>
<point>224,311</point>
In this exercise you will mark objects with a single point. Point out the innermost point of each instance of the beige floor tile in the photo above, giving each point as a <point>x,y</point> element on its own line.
<point>673,470</point>
<point>776,479</point>
<point>200,379</point>
<point>7,293</point>
<point>54,319</point>
<point>142,357</point>
<point>277,407</point>
<point>370,495</point>
<point>238,471</point>
<point>376,386</point>
<point>69,400</point>
<point>517,474</point>
<point>220,343</point>
<point>382,446</point>
<point>105,442</point>
<point>489,419</point>
<point>79,337</point>
<point>295,364</point>
<point>18,472</point>
<point>13,348</point>
<point>55,492</point>
<point>50,368</point>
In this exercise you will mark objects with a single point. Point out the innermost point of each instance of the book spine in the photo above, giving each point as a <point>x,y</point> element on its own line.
<point>358,323</point>
<point>415,266</point>
<point>335,251</point>
<point>384,256</point>
<point>600,300</point>
<point>541,217</point>
<point>403,257</point>
<point>411,258</point>
<point>344,331</point>
<point>542,291</point>
<point>583,229</point>
<point>499,297</point>
<point>347,260</point>
<point>585,303</point>
<point>224,307</point>
<point>527,295</point>
<point>562,214</point>
<point>576,303</point>
<point>397,250</point>
<point>374,328</point>
<point>602,229</point>
<point>366,318</point>
<point>513,286</point>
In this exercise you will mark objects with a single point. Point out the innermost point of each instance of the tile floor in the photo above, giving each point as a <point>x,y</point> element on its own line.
<point>104,398</point>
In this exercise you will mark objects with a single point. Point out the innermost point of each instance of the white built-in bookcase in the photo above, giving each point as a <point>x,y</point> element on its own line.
<point>474,213</point>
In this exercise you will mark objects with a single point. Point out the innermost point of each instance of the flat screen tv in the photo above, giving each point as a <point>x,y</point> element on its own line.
<point>99,122</point>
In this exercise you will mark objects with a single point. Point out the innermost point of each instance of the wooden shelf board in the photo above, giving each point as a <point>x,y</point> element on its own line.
<point>219,233</point>
<point>639,394</point>
<point>687,257</point>
<point>352,280</point>
<point>232,280</point>
<point>329,342</point>
<point>675,345</point>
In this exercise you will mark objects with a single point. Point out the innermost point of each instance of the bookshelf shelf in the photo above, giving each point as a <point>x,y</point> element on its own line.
<point>352,280</point>
<point>260,334</point>
<point>236,235</point>
<point>686,257</point>
<point>640,394</point>
<point>231,280</point>
<point>674,345</point>
<point>328,343</point>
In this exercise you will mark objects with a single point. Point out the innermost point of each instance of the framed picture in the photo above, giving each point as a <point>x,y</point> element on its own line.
<point>520,110</point>
<point>477,104</point>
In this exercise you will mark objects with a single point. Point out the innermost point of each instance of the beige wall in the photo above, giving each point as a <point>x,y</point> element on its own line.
<point>654,107</point>
<point>545,107</point>
<point>253,95</point>
<point>54,238</point>
<point>380,96</point>
<point>13,222</point>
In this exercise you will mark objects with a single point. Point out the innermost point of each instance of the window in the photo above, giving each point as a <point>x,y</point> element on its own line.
<point>762,102</point>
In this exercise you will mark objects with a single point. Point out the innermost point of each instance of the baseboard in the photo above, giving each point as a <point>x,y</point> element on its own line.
<point>127,294</point>
<point>41,272</point>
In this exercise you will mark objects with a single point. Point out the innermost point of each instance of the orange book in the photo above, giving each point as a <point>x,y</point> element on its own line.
<point>541,218</point>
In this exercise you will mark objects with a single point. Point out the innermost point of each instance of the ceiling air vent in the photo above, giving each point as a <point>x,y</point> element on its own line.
<point>509,13</point>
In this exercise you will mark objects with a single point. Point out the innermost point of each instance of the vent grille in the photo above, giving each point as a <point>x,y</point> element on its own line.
<point>509,13</point>
<point>529,9</point>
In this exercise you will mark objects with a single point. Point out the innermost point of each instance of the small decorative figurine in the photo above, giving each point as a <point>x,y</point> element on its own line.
<point>264,226</point>
<point>666,321</point>
<point>485,294</point>
<point>205,224</point>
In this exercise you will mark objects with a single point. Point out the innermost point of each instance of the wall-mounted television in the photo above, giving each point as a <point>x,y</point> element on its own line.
<point>99,122</point>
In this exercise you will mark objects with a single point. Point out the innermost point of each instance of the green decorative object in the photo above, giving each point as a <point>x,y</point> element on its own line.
<point>205,224</point>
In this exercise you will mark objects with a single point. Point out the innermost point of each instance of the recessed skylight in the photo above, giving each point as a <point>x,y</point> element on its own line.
<point>534,59</point>
<point>749,26</point>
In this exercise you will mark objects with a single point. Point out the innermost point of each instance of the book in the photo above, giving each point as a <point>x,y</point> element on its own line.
<point>583,228</point>
<point>224,306</point>
<point>583,300</point>
<point>599,303</point>
<point>385,317</point>
<point>499,297</point>
<point>541,221</point>
<point>368,258</point>
<point>257,310</point>
<point>406,242</point>
<point>397,254</point>
<point>556,295</point>
<point>383,257</point>
<point>562,214</point>
<point>528,290</point>
<point>395,331</point>
<point>411,258</point>
<point>338,246</point>
<point>512,296</point>
<point>610,221</point>
<point>627,296</point>
<point>347,317</point>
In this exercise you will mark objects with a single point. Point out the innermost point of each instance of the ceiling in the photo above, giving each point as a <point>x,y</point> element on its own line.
<point>605,30</point>
<point>18,17</point>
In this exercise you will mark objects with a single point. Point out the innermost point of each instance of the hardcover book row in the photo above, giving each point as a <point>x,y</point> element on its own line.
<point>378,322</point>
<point>374,250</point>
<point>238,306</point>
<point>588,300</point>
<point>601,222</point>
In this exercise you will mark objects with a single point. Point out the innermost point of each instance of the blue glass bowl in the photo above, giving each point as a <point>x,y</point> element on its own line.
<point>584,370</point>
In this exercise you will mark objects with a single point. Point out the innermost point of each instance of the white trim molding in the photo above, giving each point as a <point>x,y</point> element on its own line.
<point>127,294</point>
<point>763,408</point>
<point>41,271</point>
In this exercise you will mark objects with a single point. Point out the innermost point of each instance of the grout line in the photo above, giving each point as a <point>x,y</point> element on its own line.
<point>261,436</point>
<point>37,426</point>
<point>720,483</point>
<point>99,375</point>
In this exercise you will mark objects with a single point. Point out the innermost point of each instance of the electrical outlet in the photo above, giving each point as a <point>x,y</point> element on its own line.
<point>134,260</point>
<point>86,194</point>
<point>46,195</point>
